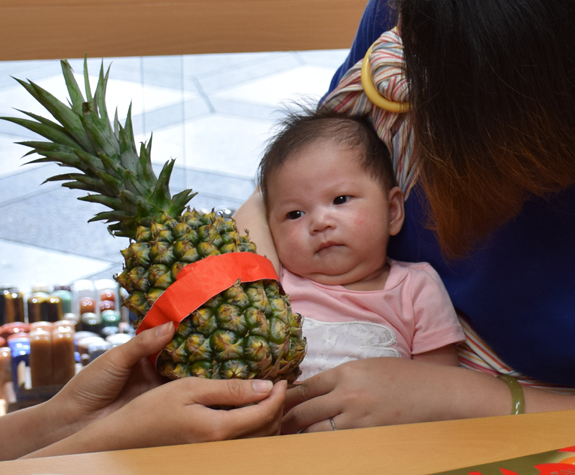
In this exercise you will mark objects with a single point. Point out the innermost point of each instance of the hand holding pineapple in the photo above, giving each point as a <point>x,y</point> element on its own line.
<point>189,417</point>
<point>131,415</point>
<point>118,401</point>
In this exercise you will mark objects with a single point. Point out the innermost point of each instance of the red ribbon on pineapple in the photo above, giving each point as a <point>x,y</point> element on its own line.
<point>198,282</point>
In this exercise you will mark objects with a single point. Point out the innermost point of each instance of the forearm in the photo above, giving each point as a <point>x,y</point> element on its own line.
<point>148,421</point>
<point>538,400</point>
<point>31,429</point>
<point>446,356</point>
<point>97,437</point>
<point>391,391</point>
<point>474,394</point>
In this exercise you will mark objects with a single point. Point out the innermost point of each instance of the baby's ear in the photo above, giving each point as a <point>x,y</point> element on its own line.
<point>396,212</point>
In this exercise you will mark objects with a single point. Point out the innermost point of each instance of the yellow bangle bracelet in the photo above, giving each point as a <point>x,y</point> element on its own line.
<point>517,396</point>
<point>373,94</point>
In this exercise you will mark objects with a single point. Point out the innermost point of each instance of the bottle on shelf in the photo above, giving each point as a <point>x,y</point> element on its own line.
<point>46,326</point>
<point>12,306</point>
<point>5,368</point>
<point>83,288</point>
<point>106,290</point>
<point>4,289</point>
<point>83,342</point>
<point>107,305</point>
<point>98,348</point>
<point>91,322</point>
<point>19,344</point>
<point>118,339</point>
<point>87,305</point>
<point>64,362</point>
<point>41,358</point>
<point>40,288</point>
<point>72,318</point>
<point>37,308</point>
<point>54,308</point>
<point>9,329</point>
<point>111,318</point>
<point>65,296</point>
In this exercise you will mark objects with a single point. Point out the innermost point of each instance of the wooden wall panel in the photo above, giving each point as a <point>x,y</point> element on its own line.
<point>51,29</point>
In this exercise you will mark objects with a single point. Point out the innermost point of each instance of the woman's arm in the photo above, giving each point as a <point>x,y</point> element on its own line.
<point>179,413</point>
<point>29,429</point>
<point>101,388</point>
<point>446,356</point>
<point>387,391</point>
<point>251,216</point>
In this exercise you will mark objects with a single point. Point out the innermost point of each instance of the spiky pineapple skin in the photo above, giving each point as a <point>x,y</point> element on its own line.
<point>248,331</point>
<point>238,334</point>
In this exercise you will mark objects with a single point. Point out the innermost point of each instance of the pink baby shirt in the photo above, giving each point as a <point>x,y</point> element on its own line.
<point>412,314</point>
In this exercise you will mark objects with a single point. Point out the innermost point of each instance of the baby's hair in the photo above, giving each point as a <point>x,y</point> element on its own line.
<point>305,126</point>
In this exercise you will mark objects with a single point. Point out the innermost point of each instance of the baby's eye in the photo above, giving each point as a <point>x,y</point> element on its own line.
<point>294,214</point>
<point>341,199</point>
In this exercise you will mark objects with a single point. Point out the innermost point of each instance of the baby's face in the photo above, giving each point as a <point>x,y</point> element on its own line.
<point>330,220</point>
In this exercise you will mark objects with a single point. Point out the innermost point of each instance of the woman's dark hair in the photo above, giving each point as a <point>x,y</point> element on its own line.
<point>305,126</point>
<point>492,84</point>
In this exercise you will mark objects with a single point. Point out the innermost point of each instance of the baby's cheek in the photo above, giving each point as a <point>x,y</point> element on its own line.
<point>363,220</point>
<point>283,235</point>
<point>290,244</point>
<point>369,228</point>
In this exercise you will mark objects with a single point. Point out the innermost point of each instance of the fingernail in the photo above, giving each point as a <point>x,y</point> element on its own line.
<point>164,329</point>
<point>262,386</point>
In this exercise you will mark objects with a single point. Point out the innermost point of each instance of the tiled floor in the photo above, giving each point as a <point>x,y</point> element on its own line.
<point>213,113</point>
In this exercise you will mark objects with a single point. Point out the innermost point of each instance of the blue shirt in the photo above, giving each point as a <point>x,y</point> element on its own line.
<point>518,287</point>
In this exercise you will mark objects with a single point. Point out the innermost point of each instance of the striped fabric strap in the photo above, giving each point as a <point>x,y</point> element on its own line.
<point>388,75</point>
<point>475,354</point>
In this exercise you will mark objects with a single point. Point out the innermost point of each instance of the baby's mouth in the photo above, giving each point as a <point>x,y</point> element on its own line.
<point>325,245</point>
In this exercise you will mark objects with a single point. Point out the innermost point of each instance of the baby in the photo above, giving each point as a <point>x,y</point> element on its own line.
<point>328,205</point>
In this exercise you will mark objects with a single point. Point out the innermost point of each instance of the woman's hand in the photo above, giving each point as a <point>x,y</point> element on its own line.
<point>113,379</point>
<point>178,413</point>
<point>386,391</point>
<point>106,384</point>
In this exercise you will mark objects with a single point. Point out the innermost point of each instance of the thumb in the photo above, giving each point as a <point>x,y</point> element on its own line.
<point>146,343</point>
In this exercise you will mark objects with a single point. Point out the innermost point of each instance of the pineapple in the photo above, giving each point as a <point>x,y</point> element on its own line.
<point>247,331</point>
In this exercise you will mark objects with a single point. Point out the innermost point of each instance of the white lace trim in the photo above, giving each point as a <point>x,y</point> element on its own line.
<point>333,343</point>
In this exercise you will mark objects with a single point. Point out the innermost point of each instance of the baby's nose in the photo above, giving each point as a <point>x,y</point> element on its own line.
<point>321,221</point>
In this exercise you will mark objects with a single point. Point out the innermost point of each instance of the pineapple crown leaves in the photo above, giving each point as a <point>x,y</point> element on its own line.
<point>109,166</point>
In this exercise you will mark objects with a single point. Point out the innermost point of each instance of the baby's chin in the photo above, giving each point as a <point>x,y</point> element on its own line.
<point>331,278</point>
<point>360,278</point>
